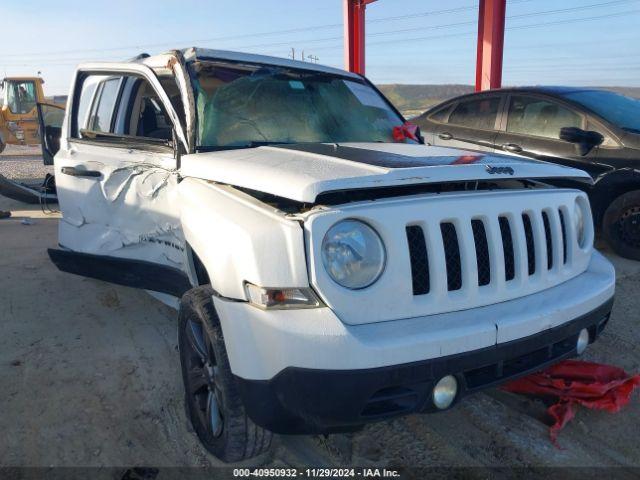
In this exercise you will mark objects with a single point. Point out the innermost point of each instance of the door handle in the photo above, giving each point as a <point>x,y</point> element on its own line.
<point>80,172</point>
<point>445,136</point>
<point>512,147</point>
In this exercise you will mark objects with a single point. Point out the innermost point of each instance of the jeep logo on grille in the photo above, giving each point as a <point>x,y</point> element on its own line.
<point>491,170</point>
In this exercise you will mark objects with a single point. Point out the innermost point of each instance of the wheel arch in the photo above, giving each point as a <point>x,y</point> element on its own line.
<point>610,186</point>
<point>198,272</point>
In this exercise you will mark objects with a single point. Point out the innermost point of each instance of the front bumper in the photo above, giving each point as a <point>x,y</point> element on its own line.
<point>305,371</point>
<point>308,401</point>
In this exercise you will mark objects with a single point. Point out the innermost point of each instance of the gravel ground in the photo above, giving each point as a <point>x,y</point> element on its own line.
<point>90,376</point>
<point>23,163</point>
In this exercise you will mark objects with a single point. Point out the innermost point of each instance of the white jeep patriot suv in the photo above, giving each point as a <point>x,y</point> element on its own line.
<point>329,269</point>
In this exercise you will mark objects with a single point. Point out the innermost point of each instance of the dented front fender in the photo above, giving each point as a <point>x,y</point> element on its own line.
<point>239,239</point>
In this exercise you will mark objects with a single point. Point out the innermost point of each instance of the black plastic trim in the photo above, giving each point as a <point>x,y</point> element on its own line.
<point>312,401</point>
<point>123,271</point>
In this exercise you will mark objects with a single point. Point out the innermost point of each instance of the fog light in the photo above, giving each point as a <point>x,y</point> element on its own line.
<point>583,341</point>
<point>445,391</point>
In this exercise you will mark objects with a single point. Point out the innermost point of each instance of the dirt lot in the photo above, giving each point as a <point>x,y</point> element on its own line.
<point>89,375</point>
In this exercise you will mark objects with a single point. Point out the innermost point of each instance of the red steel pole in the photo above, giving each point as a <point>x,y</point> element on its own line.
<point>491,20</point>
<point>354,35</point>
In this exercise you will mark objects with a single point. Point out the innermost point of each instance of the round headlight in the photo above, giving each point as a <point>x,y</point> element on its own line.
<point>578,224</point>
<point>353,254</point>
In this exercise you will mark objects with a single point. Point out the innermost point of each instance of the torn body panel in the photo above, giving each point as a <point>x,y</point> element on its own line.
<point>173,64</point>
<point>129,211</point>
<point>188,100</point>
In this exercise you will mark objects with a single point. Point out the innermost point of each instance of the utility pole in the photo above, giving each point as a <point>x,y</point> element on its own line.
<point>310,58</point>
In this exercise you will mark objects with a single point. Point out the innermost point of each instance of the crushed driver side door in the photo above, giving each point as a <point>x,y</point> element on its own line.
<point>116,176</point>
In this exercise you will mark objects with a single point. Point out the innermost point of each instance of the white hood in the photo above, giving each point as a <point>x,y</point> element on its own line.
<point>303,171</point>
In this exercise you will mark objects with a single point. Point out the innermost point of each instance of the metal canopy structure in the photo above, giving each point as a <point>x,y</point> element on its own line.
<point>491,21</point>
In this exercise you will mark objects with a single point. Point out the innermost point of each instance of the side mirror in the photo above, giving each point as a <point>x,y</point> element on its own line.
<point>572,134</point>
<point>583,139</point>
<point>593,138</point>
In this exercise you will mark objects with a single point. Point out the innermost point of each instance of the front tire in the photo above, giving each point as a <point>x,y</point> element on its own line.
<point>213,403</point>
<point>621,225</point>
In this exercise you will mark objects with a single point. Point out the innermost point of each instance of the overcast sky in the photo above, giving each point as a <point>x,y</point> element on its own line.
<point>578,42</point>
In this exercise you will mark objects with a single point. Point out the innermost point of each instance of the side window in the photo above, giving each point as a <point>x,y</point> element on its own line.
<point>539,117</point>
<point>440,115</point>
<point>479,114</point>
<point>89,88</point>
<point>120,106</point>
<point>21,96</point>
<point>104,106</point>
<point>608,139</point>
<point>152,119</point>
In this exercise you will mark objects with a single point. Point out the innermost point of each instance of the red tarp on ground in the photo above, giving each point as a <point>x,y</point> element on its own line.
<point>572,383</point>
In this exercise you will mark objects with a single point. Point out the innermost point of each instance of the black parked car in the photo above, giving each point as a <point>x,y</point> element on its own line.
<point>595,130</point>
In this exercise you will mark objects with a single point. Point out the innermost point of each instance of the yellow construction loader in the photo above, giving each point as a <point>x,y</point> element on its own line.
<point>19,111</point>
<point>24,113</point>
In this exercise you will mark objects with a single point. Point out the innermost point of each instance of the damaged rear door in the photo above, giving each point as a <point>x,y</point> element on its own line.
<point>116,175</point>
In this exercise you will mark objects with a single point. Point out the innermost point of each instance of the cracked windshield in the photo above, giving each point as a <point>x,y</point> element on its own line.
<point>248,106</point>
